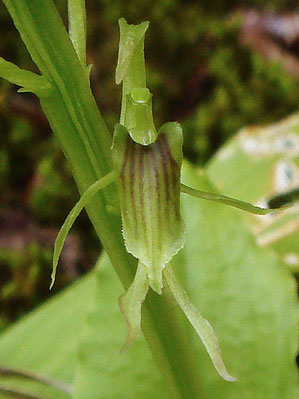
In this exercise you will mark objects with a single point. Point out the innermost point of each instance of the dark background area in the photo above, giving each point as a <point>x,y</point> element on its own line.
<point>214,66</point>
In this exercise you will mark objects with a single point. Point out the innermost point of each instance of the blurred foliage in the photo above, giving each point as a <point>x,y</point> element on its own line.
<point>201,75</point>
<point>269,158</point>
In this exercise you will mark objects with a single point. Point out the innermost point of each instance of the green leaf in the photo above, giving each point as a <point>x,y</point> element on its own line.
<point>30,81</point>
<point>247,296</point>
<point>45,342</point>
<point>85,317</point>
<point>103,372</point>
<point>258,165</point>
<point>257,152</point>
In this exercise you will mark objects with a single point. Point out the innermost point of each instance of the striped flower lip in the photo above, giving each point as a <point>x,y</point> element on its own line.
<point>149,186</point>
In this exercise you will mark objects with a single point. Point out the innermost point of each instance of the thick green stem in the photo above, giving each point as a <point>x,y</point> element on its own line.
<point>85,140</point>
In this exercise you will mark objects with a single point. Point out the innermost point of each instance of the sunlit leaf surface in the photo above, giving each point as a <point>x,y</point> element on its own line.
<point>261,164</point>
<point>247,295</point>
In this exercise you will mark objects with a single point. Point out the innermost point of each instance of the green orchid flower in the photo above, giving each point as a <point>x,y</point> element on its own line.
<point>147,168</point>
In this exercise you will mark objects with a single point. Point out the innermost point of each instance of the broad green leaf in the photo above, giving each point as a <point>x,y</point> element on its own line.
<point>103,372</point>
<point>247,295</point>
<point>256,152</point>
<point>46,340</point>
<point>260,163</point>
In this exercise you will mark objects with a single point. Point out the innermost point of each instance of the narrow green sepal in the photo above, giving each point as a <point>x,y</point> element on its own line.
<point>30,81</point>
<point>130,37</point>
<point>130,304</point>
<point>149,186</point>
<point>74,213</point>
<point>202,327</point>
<point>245,206</point>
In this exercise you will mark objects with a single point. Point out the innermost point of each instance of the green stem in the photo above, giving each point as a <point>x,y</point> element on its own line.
<point>85,140</point>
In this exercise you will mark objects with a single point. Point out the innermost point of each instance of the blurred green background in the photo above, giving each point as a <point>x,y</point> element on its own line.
<point>214,66</point>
